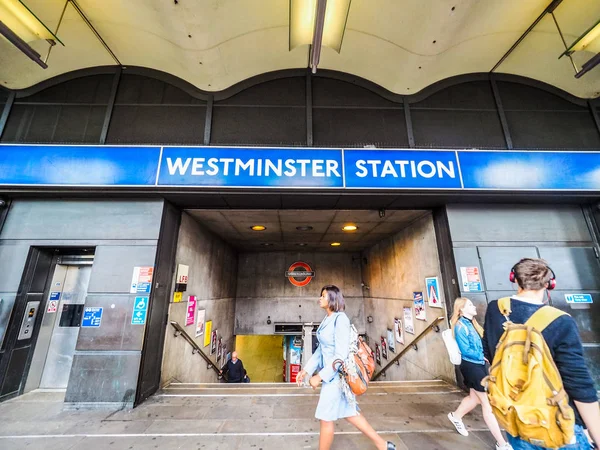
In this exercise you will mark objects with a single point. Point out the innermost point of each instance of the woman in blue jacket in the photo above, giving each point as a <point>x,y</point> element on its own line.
<point>468,334</point>
<point>334,343</point>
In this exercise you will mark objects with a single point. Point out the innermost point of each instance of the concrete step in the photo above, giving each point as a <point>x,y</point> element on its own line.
<point>268,416</point>
<point>191,390</point>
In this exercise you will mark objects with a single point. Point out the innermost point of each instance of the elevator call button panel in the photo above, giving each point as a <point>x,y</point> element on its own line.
<point>28,322</point>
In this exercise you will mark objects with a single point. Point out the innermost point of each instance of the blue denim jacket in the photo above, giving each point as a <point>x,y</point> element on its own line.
<point>469,342</point>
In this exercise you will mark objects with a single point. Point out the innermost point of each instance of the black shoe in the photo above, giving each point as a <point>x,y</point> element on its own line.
<point>391,446</point>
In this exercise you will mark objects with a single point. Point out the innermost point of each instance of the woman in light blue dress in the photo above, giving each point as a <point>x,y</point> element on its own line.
<point>334,343</point>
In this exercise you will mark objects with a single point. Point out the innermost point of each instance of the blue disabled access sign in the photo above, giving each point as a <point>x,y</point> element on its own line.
<point>579,298</point>
<point>92,317</point>
<point>140,310</point>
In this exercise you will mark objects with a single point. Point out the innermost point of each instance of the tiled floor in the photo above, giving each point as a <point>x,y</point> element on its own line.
<point>254,416</point>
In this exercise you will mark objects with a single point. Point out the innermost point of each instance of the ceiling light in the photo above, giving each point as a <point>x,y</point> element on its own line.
<point>19,25</point>
<point>258,228</point>
<point>350,227</point>
<point>301,244</point>
<point>304,228</point>
<point>335,244</point>
<point>266,244</point>
<point>588,41</point>
<point>317,23</point>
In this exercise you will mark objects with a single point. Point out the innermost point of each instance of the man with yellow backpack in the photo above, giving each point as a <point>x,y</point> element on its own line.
<point>539,387</point>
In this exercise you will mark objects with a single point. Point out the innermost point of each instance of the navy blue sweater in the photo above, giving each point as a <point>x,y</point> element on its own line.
<point>562,337</point>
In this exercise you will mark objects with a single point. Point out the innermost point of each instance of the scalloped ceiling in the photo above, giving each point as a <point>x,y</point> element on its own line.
<point>402,45</point>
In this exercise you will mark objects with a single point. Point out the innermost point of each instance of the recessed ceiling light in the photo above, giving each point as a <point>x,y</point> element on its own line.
<point>258,228</point>
<point>335,244</point>
<point>350,227</point>
<point>301,244</point>
<point>304,228</point>
<point>266,244</point>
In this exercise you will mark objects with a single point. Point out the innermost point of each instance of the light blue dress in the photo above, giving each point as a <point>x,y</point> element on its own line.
<point>334,343</point>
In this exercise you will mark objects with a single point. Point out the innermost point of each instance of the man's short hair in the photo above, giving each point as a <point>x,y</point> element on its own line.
<point>532,274</point>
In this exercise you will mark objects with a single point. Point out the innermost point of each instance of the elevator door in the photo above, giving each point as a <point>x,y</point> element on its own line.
<point>66,328</point>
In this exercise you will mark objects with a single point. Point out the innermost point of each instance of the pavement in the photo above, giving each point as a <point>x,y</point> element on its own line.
<point>256,416</point>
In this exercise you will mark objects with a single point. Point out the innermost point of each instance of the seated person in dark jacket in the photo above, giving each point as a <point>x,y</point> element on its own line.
<point>234,368</point>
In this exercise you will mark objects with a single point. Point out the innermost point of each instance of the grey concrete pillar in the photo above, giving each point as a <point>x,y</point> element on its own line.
<point>306,342</point>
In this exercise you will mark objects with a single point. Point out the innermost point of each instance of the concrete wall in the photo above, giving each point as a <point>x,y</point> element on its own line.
<point>395,268</point>
<point>212,279</point>
<point>125,235</point>
<point>263,290</point>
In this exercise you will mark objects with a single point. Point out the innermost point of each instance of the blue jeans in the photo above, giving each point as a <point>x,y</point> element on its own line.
<point>581,444</point>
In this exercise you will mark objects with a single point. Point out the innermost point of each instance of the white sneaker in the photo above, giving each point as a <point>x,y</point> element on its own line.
<point>506,446</point>
<point>458,424</point>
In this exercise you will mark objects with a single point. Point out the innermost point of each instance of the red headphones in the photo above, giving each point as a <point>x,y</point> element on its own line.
<point>551,282</point>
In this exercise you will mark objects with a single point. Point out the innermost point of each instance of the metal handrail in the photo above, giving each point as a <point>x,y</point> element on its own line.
<point>179,331</point>
<point>413,344</point>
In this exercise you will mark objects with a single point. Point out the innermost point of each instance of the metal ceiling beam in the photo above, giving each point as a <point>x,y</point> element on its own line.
<point>91,27</point>
<point>309,110</point>
<point>6,112</point>
<point>549,9</point>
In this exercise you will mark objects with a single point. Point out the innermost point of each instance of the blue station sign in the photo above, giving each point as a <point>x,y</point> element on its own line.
<point>301,168</point>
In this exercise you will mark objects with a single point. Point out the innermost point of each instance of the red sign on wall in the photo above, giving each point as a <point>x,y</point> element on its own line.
<point>294,370</point>
<point>300,274</point>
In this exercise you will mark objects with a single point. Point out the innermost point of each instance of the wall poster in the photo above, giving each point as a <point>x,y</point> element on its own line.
<point>420,312</point>
<point>213,342</point>
<point>383,347</point>
<point>200,317</point>
<point>471,279</point>
<point>141,280</point>
<point>398,331</point>
<point>377,354</point>
<point>390,340</point>
<point>408,321</point>
<point>191,311</point>
<point>219,350</point>
<point>433,292</point>
<point>207,333</point>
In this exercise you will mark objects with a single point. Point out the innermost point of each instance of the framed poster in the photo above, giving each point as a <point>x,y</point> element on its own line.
<point>213,342</point>
<point>408,321</point>
<point>399,332</point>
<point>390,340</point>
<point>219,349</point>
<point>207,333</point>
<point>433,292</point>
<point>200,316</point>
<point>377,354</point>
<point>420,312</point>
<point>383,347</point>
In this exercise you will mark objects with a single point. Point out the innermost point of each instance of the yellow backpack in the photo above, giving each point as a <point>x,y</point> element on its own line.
<point>524,386</point>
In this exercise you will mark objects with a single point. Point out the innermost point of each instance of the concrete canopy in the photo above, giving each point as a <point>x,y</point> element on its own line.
<point>402,45</point>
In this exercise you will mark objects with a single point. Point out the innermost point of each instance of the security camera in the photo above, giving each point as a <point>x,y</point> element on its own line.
<point>2,203</point>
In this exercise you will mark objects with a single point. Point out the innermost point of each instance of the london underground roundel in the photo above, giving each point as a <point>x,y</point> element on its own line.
<point>300,274</point>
